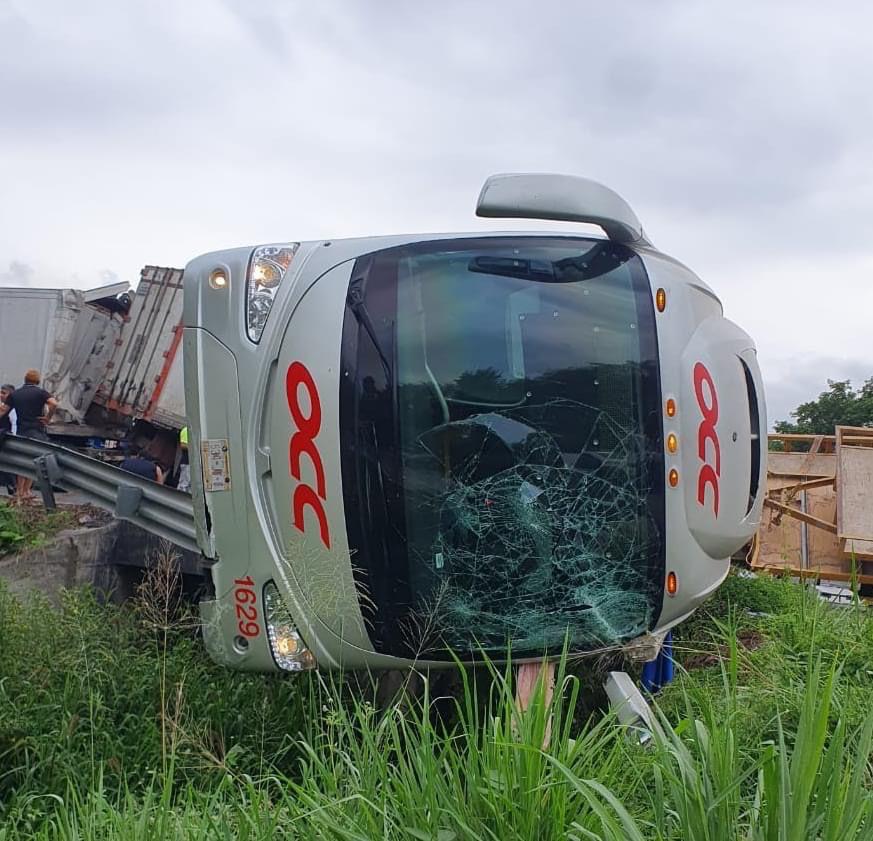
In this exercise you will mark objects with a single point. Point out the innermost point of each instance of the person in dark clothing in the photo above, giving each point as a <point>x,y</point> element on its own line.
<point>138,463</point>
<point>34,408</point>
<point>33,405</point>
<point>7,479</point>
<point>6,420</point>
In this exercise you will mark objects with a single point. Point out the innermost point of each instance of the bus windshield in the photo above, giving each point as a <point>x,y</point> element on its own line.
<point>502,458</point>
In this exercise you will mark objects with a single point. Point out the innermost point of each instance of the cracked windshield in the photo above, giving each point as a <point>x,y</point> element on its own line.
<point>504,456</point>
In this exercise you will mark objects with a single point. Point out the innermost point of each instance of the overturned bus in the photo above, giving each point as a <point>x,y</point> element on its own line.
<point>410,448</point>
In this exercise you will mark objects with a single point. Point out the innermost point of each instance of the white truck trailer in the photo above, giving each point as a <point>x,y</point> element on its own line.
<point>68,335</point>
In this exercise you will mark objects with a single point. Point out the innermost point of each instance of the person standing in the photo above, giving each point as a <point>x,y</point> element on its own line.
<point>7,428</point>
<point>34,408</point>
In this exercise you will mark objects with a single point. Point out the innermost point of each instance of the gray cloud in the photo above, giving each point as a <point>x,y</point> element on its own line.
<point>18,274</point>
<point>147,133</point>
<point>22,273</point>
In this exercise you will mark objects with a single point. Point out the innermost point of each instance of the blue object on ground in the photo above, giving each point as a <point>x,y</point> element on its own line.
<point>660,671</point>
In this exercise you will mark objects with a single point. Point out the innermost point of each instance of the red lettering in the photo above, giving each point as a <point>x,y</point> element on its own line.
<point>246,612</point>
<point>303,442</point>
<point>708,404</point>
<point>708,476</point>
<point>298,374</point>
<point>305,497</point>
<point>300,444</point>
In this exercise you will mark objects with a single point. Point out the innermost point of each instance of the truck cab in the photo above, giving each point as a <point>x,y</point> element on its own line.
<point>410,449</point>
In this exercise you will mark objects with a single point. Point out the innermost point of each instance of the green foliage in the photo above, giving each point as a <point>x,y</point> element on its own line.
<point>750,594</point>
<point>105,718</point>
<point>24,527</point>
<point>11,534</point>
<point>840,405</point>
<point>93,694</point>
<point>809,786</point>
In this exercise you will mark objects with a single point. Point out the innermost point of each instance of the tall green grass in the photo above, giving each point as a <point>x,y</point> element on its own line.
<point>771,742</point>
<point>92,693</point>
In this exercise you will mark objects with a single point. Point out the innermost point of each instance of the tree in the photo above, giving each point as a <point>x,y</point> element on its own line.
<point>841,405</point>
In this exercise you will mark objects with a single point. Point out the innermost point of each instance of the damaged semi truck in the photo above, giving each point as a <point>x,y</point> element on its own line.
<point>110,356</point>
<point>410,448</point>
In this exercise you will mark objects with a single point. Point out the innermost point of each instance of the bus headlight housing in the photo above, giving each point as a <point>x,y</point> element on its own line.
<point>287,646</point>
<point>267,269</point>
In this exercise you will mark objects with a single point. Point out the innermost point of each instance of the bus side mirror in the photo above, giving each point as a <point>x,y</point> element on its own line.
<point>563,198</point>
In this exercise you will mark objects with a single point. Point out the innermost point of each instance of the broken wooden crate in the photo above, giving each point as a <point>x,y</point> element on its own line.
<point>818,513</point>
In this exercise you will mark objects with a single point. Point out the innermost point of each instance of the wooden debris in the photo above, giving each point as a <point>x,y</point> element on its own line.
<point>818,520</point>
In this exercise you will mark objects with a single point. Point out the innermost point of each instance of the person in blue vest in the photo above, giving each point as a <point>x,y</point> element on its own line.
<point>138,462</point>
<point>184,483</point>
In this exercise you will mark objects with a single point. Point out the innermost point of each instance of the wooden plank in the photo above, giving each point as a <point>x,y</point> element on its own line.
<point>856,435</point>
<point>831,575</point>
<point>860,549</point>
<point>776,474</point>
<point>797,436</point>
<point>803,485</point>
<point>781,489</point>
<point>815,464</point>
<point>858,440</point>
<point>854,486</point>
<point>822,482</point>
<point>799,515</point>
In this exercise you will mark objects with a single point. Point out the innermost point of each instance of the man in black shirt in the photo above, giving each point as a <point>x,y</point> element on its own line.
<point>34,408</point>
<point>30,403</point>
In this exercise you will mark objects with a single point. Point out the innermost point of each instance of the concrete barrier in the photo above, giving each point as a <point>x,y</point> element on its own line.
<point>109,557</point>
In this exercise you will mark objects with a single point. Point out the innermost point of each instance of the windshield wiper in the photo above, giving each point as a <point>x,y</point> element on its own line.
<point>513,267</point>
<point>597,261</point>
<point>355,302</point>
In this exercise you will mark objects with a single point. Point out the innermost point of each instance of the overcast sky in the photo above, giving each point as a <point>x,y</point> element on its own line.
<point>134,133</point>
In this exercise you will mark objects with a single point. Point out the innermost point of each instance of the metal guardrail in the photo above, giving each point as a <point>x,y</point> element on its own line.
<point>163,511</point>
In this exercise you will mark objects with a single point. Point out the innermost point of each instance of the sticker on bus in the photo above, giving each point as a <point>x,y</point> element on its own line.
<point>215,462</point>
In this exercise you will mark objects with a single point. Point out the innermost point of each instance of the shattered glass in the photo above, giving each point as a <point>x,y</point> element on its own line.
<point>547,544</point>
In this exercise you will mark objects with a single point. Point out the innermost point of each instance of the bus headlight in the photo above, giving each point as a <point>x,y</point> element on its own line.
<point>267,269</point>
<point>289,650</point>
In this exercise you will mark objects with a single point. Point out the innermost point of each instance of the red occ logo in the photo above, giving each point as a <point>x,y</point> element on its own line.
<point>710,471</point>
<point>303,443</point>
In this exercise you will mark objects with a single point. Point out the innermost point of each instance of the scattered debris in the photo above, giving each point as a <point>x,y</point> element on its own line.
<point>835,594</point>
<point>629,705</point>
<point>88,515</point>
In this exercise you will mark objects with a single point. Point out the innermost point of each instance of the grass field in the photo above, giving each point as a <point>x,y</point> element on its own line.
<point>113,724</point>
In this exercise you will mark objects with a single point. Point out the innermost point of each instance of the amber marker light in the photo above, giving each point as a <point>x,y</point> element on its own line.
<point>673,477</point>
<point>661,300</point>
<point>672,443</point>
<point>671,408</point>
<point>218,279</point>
<point>672,583</point>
